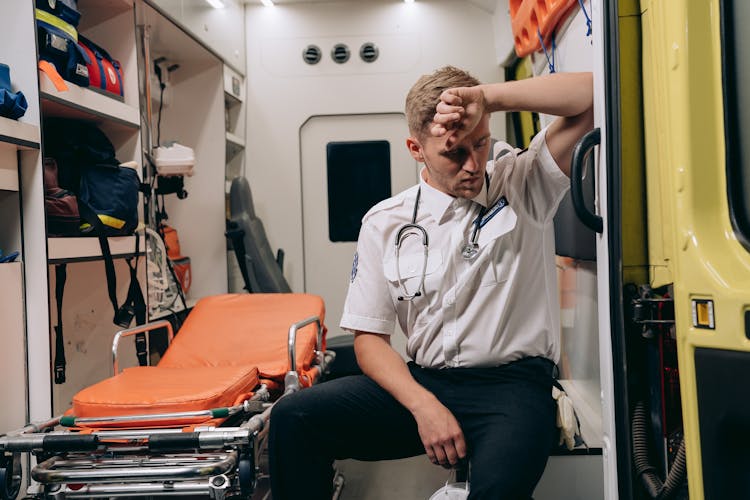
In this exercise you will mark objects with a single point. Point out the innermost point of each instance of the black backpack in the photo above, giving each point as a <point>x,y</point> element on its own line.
<point>107,192</point>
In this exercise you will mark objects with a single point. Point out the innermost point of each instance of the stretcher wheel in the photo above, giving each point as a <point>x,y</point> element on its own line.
<point>10,476</point>
<point>246,476</point>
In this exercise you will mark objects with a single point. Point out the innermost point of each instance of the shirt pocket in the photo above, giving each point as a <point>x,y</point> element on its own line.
<point>409,266</point>
<point>499,252</point>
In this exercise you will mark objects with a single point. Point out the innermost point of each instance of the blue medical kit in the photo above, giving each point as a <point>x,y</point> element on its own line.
<point>67,10</point>
<point>109,195</point>
<point>13,105</point>
<point>57,41</point>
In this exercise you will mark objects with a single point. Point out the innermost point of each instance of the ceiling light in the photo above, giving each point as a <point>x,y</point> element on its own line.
<point>409,1</point>
<point>216,4</point>
<point>267,3</point>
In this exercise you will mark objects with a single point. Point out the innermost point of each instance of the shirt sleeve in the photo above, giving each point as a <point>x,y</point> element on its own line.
<point>532,179</point>
<point>369,305</point>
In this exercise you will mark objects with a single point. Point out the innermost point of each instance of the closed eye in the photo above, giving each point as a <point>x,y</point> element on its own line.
<point>456,154</point>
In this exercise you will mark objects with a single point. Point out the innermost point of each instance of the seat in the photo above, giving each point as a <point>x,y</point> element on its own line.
<point>261,271</point>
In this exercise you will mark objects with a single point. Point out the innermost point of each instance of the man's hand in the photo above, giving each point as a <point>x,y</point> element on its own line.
<point>438,429</point>
<point>441,434</point>
<point>458,113</point>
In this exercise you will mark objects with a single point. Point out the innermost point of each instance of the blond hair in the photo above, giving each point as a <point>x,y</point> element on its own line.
<point>424,96</point>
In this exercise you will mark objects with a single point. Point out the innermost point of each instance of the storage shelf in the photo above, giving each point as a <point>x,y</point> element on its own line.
<point>235,140</point>
<point>82,103</point>
<point>8,179</point>
<point>98,11</point>
<point>235,145</point>
<point>231,99</point>
<point>18,135</point>
<point>63,250</point>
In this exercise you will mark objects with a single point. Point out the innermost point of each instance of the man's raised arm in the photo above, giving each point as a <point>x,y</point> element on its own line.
<point>566,95</point>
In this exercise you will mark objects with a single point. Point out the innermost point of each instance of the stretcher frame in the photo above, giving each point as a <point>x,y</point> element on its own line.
<point>217,462</point>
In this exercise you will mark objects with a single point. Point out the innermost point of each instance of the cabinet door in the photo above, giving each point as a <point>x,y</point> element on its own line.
<point>13,353</point>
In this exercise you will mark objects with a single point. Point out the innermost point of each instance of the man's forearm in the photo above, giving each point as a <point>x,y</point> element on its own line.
<point>380,362</point>
<point>559,94</point>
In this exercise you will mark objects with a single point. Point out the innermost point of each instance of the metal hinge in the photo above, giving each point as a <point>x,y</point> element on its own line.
<point>651,308</point>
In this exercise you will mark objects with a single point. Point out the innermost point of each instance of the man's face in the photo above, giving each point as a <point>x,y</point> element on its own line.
<point>459,171</point>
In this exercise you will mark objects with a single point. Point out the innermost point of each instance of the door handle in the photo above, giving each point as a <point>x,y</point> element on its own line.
<point>583,146</point>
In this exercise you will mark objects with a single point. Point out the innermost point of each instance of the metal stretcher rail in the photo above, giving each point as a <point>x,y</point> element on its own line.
<point>136,469</point>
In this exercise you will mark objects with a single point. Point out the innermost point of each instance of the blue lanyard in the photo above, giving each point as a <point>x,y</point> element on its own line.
<point>483,218</point>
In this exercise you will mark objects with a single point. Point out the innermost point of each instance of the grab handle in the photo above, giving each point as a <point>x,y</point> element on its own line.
<point>583,146</point>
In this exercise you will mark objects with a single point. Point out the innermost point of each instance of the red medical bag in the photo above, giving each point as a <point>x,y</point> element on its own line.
<point>104,72</point>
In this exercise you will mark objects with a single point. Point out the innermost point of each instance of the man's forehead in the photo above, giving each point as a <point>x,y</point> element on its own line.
<point>477,135</point>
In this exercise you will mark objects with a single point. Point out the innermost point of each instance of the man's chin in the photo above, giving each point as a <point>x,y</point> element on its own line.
<point>468,192</point>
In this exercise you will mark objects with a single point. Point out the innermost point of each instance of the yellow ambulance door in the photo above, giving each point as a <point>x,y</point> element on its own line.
<point>696,73</point>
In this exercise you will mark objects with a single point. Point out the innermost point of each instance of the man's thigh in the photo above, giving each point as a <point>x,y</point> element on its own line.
<point>353,417</point>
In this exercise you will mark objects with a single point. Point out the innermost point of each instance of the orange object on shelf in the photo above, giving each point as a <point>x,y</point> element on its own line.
<point>529,16</point>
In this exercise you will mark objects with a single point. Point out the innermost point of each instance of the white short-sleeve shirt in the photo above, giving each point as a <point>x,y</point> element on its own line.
<point>501,305</point>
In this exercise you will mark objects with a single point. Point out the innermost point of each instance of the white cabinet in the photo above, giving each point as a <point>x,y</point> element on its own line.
<point>87,312</point>
<point>23,316</point>
<point>192,114</point>
<point>234,109</point>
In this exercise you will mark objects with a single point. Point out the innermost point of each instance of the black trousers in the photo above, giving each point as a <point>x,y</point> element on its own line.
<point>506,413</point>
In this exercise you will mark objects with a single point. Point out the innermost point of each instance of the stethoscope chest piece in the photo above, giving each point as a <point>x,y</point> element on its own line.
<point>469,250</point>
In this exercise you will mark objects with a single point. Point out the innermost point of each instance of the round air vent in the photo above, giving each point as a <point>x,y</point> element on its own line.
<point>340,53</point>
<point>369,52</point>
<point>312,54</point>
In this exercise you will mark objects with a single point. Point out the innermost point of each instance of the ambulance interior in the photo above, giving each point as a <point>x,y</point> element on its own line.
<point>289,95</point>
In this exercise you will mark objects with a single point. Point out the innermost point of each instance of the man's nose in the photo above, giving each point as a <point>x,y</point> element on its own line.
<point>472,163</point>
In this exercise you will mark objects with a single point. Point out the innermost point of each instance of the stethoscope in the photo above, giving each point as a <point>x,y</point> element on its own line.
<point>468,251</point>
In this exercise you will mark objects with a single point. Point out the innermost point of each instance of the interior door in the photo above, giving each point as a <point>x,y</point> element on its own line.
<point>345,160</point>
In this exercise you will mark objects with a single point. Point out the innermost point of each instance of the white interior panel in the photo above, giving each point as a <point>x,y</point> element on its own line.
<point>12,360</point>
<point>328,264</point>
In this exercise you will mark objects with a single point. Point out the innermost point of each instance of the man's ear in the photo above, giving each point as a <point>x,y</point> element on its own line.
<point>415,149</point>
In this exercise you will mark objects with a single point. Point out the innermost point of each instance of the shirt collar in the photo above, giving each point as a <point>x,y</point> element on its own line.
<point>437,202</point>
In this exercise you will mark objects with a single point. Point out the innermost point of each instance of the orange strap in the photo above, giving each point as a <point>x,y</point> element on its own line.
<point>51,72</point>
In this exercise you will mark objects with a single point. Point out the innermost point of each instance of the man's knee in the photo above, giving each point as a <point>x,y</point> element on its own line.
<point>287,419</point>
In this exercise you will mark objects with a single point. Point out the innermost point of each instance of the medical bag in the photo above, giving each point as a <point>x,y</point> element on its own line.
<point>107,191</point>
<point>104,72</point>
<point>60,205</point>
<point>67,10</point>
<point>13,105</point>
<point>57,41</point>
<point>180,263</point>
<point>108,199</point>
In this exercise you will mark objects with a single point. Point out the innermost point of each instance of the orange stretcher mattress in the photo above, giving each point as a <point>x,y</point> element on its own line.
<point>156,389</point>
<point>241,329</point>
<point>226,345</point>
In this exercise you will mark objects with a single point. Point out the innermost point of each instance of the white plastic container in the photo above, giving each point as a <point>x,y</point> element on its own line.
<point>174,159</point>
